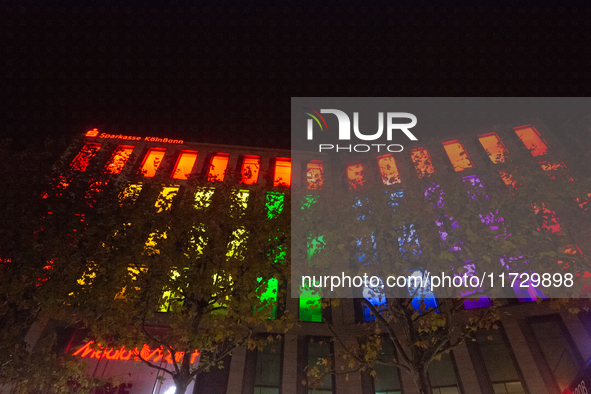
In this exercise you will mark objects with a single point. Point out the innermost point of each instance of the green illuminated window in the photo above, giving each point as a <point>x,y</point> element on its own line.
<point>274,204</point>
<point>269,296</point>
<point>310,306</point>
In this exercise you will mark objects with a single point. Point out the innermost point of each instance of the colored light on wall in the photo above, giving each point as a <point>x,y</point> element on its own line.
<point>356,176</point>
<point>532,140</point>
<point>164,200</point>
<point>494,147</point>
<point>422,161</point>
<point>315,174</point>
<point>388,169</point>
<point>217,167</point>
<point>184,164</point>
<point>119,159</point>
<point>249,175</point>
<point>152,161</point>
<point>82,159</point>
<point>458,156</point>
<point>282,172</point>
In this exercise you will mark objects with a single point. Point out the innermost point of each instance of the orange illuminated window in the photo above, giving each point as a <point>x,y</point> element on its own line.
<point>355,176</point>
<point>282,172</point>
<point>315,174</point>
<point>550,220</point>
<point>494,147</point>
<point>388,169</point>
<point>532,140</point>
<point>457,155</point>
<point>250,169</point>
<point>217,168</point>
<point>119,158</point>
<point>152,161</point>
<point>184,164</point>
<point>82,159</point>
<point>422,160</point>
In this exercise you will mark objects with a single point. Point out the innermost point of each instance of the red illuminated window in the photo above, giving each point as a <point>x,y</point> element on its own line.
<point>184,164</point>
<point>388,169</point>
<point>355,176</point>
<point>249,174</point>
<point>152,161</point>
<point>315,174</point>
<point>282,172</point>
<point>532,140</point>
<point>217,168</point>
<point>457,155</point>
<point>119,158</point>
<point>82,159</point>
<point>422,160</point>
<point>550,220</point>
<point>494,147</point>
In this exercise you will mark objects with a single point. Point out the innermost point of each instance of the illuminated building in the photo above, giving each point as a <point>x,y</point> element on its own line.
<point>536,351</point>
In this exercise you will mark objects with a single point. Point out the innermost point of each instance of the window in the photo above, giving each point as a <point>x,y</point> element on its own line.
<point>387,378</point>
<point>217,167</point>
<point>249,175</point>
<point>558,353</point>
<point>152,161</point>
<point>315,174</point>
<point>310,306</point>
<point>494,147</point>
<point>164,200</point>
<point>267,378</point>
<point>388,169</point>
<point>442,376</point>
<point>422,161</point>
<point>282,172</point>
<point>532,140</point>
<point>319,350</point>
<point>355,176</point>
<point>457,155</point>
<point>499,363</point>
<point>184,164</point>
<point>82,159</point>
<point>119,159</point>
<point>131,193</point>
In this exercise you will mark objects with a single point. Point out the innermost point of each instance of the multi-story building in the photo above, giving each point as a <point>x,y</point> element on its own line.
<point>536,350</point>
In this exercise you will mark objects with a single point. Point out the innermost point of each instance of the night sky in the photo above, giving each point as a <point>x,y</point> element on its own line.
<point>224,72</point>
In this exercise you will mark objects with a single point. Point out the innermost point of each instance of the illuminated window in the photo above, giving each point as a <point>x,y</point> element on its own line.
<point>184,164</point>
<point>310,306</point>
<point>164,200</point>
<point>388,169</point>
<point>274,204</point>
<point>250,170</point>
<point>549,218</point>
<point>355,176</point>
<point>88,151</point>
<point>119,159</point>
<point>237,243</point>
<point>152,242</point>
<point>203,197</point>
<point>217,167</point>
<point>268,298</point>
<point>532,140</point>
<point>457,155</point>
<point>494,147</point>
<point>239,202</point>
<point>152,161</point>
<point>171,299</point>
<point>282,172</point>
<point>132,273</point>
<point>131,193</point>
<point>422,161</point>
<point>315,174</point>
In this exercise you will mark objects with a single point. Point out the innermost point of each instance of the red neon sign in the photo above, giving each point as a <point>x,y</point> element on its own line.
<point>123,354</point>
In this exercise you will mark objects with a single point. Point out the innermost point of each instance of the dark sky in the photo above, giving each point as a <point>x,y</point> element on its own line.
<point>224,72</point>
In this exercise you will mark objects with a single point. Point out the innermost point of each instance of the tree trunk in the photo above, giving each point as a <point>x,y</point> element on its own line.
<point>183,378</point>
<point>422,381</point>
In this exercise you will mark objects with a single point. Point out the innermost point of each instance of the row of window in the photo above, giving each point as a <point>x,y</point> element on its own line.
<point>491,354</point>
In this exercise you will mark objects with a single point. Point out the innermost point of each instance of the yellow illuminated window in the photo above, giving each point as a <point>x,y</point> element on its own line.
<point>131,192</point>
<point>237,243</point>
<point>184,164</point>
<point>203,197</point>
<point>388,169</point>
<point>164,200</point>
<point>315,174</point>
<point>422,161</point>
<point>457,155</point>
<point>119,159</point>
<point>282,172</point>
<point>494,147</point>
<point>250,169</point>
<point>532,140</point>
<point>82,159</point>
<point>152,161</point>
<point>152,242</point>
<point>355,176</point>
<point>133,273</point>
<point>239,202</point>
<point>217,168</point>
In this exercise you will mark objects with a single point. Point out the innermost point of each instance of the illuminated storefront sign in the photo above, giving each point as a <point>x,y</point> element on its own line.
<point>94,133</point>
<point>122,354</point>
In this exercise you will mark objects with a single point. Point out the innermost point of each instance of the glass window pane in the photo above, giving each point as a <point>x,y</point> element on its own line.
<point>184,164</point>
<point>282,172</point>
<point>355,176</point>
<point>458,156</point>
<point>82,159</point>
<point>152,161</point>
<point>119,158</point>
<point>497,356</point>
<point>441,373</point>
<point>316,352</point>
<point>315,174</point>
<point>217,167</point>
<point>532,140</point>
<point>494,147</point>
<point>422,161</point>
<point>388,169</point>
<point>268,370</point>
<point>514,387</point>
<point>250,170</point>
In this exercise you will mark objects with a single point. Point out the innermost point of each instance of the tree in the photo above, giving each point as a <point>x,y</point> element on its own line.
<point>519,218</point>
<point>145,266</point>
